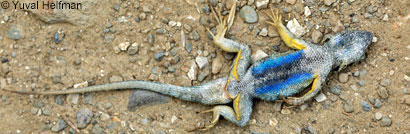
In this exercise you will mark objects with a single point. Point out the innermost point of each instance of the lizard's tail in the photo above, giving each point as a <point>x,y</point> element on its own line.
<point>185,93</point>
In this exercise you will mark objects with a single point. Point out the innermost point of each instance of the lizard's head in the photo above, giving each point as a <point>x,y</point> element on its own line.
<point>349,46</point>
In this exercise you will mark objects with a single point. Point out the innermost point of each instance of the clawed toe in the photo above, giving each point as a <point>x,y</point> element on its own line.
<point>274,16</point>
<point>213,122</point>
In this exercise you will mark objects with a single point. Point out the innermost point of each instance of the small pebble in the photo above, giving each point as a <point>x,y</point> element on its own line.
<point>84,116</point>
<point>173,119</point>
<point>264,32</point>
<point>202,76</point>
<point>201,61</point>
<point>248,14</point>
<point>188,47</point>
<point>59,100</point>
<point>206,9</point>
<point>117,7</point>
<point>295,28</point>
<point>378,116</point>
<point>98,130</point>
<point>309,129</point>
<point>365,106</point>
<point>320,97</point>
<point>151,39</point>
<point>158,56</point>
<point>59,36</point>
<point>385,82</point>
<point>217,65</point>
<point>261,4</point>
<point>343,77</point>
<point>362,83</point>
<point>133,49</point>
<point>192,72</point>
<point>335,90</point>
<point>316,36</point>
<point>348,107</point>
<point>5,60</point>
<point>73,98</point>
<point>378,103</point>
<point>14,33</point>
<point>383,92</point>
<point>124,46</point>
<point>59,126</point>
<point>277,106</point>
<point>386,122</point>
<point>56,79</point>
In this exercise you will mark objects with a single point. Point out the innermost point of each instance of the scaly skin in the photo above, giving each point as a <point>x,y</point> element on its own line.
<point>276,76</point>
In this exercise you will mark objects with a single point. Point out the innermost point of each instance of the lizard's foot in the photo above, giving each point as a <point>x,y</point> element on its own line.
<point>215,118</point>
<point>276,18</point>
<point>224,24</point>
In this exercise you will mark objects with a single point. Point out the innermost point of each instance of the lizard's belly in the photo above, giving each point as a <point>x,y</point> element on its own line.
<point>272,89</point>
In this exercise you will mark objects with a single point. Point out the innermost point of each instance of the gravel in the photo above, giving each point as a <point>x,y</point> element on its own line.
<point>201,61</point>
<point>385,82</point>
<point>348,107</point>
<point>158,56</point>
<point>316,36</point>
<point>383,92</point>
<point>59,100</point>
<point>378,103</point>
<point>335,90</point>
<point>386,122</point>
<point>365,106</point>
<point>343,77</point>
<point>59,126</point>
<point>84,116</point>
<point>248,14</point>
<point>98,130</point>
<point>14,33</point>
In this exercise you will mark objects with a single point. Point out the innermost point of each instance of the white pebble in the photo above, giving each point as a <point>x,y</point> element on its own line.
<point>391,72</point>
<point>378,116</point>
<point>258,55</point>
<point>320,97</point>
<point>307,11</point>
<point>173,119</point>
<point>172,23</point>
<point>124,45</point>
<point>407,78</point>
<point>295,28</point>
<point>374,39</point>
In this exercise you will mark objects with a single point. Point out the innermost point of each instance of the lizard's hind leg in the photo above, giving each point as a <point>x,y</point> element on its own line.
<point>242,60</point>
<point>239,115</point>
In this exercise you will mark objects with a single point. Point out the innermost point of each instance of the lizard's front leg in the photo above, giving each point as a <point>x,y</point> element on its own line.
<point>287,37</point>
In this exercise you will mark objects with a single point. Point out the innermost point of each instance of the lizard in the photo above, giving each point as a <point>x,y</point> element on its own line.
<point>271,79</point>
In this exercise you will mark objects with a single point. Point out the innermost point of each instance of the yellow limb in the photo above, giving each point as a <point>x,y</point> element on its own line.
<point>235,66</point>
<point>283,32</point>
<point>313,85</point>
<point>236,107</point>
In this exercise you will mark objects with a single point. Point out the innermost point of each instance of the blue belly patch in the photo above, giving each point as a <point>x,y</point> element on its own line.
<point>270,63</point>
<point>278,86</point>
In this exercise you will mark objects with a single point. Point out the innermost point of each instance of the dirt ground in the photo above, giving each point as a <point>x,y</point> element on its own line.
<point>38,61</point>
